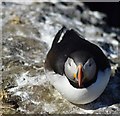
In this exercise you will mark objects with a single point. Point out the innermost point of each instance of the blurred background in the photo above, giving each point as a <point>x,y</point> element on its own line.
<point>28,30</point>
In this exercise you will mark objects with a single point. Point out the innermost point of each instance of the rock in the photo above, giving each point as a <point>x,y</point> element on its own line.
<point>28,31</point>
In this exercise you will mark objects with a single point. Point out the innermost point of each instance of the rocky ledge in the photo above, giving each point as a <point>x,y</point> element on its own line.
<point>27,34</point>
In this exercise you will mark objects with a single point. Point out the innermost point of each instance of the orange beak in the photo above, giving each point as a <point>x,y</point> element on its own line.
<point>80,75</point>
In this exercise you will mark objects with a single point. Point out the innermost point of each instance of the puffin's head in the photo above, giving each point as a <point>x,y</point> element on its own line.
<point>80,73</point>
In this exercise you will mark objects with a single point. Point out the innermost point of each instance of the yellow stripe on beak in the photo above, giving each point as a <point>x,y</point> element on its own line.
<point>74,75</point>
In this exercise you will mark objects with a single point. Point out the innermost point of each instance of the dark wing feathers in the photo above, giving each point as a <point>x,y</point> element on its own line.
<point>70,43</point>
<point>57,36</point>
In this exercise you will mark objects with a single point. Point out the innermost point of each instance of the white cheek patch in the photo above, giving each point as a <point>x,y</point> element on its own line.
<point>90,68</point>
<point>70,68</point>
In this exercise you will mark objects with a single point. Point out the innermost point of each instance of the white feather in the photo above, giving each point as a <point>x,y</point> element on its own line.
<point>84,95</point>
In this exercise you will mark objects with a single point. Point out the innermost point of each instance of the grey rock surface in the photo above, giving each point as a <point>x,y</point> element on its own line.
<point>27,34</point>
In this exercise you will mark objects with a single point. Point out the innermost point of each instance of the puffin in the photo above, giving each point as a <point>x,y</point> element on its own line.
<point>77,68</point>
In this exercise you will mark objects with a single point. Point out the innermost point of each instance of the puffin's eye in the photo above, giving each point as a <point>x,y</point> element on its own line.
<point>70,63</point>
<point>90,64</point>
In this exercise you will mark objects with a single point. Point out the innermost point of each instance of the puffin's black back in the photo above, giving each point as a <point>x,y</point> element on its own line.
<point>70,43</point>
